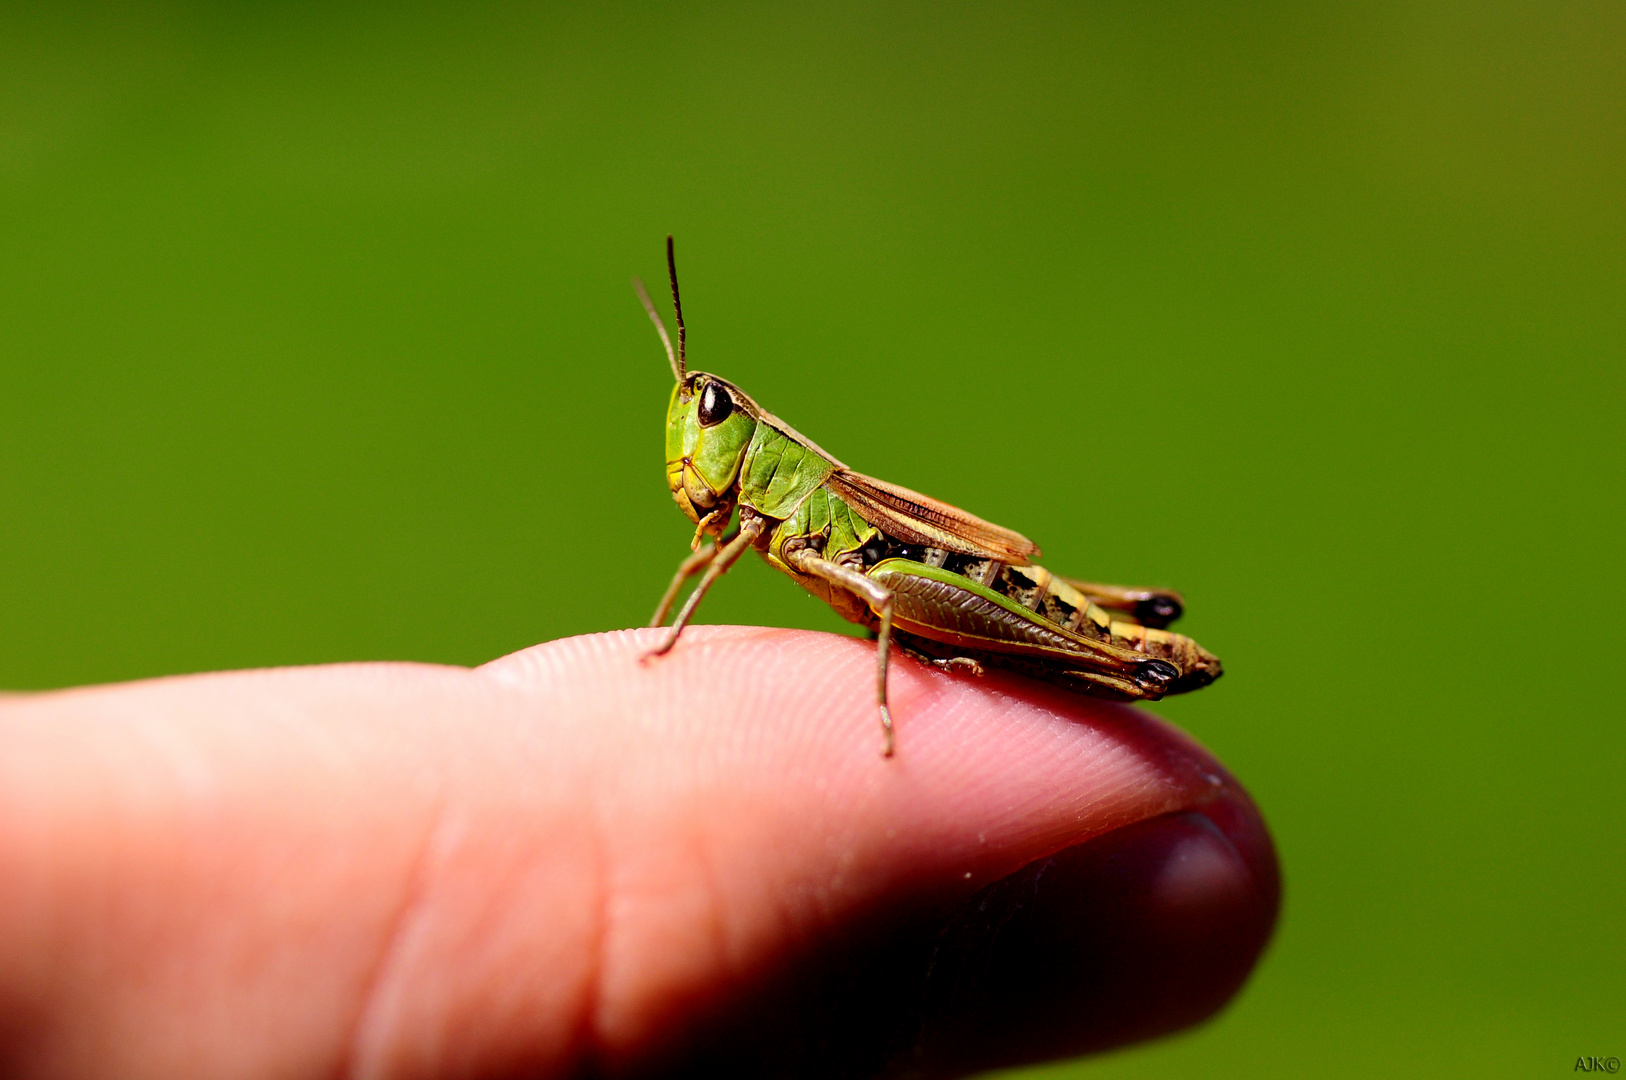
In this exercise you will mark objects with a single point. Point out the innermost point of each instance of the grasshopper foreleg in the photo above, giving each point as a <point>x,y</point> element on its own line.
<point>686,570</point>
<point>750,529</point>
<point>880,600</point>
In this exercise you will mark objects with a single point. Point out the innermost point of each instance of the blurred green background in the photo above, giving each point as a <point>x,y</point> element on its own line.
<point>316,344</point>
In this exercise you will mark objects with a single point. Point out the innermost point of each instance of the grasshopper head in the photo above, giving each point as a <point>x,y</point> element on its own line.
<point>707,434</point>
<point>709,425</point>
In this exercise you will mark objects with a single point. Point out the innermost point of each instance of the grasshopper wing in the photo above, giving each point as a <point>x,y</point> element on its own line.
<point>920,519</point>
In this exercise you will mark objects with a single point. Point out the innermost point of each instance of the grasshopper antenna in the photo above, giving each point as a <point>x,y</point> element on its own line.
<point>660,328</point>
<point>677,307</point>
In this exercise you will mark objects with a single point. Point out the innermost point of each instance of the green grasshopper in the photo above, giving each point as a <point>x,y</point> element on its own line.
<point>954,590</point>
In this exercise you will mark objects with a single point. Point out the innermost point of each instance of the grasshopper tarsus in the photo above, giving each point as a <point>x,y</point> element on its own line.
<point>660,650</point>
<point>958,665</point>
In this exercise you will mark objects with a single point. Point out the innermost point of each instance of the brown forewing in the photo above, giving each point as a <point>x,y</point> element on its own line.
<point>920,519</point>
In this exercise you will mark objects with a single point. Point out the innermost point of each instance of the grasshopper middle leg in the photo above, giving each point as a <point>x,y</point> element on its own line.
<point>880,600</point>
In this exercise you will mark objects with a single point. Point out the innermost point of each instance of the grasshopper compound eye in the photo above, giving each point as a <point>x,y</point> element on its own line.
<point>715,405</point>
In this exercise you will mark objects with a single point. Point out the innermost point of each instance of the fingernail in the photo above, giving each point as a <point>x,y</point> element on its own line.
<point>1142,931</point>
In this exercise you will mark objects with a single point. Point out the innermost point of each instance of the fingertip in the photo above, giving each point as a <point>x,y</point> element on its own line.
<point>1134,883</point>
<point>996,770</point>
<point>1135,933</point>
<point>1142,931</point>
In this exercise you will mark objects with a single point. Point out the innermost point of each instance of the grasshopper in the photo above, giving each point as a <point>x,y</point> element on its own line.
<point>921,575</point>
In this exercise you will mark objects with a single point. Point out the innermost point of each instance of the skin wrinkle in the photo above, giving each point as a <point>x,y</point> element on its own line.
<point>192,773</point>
<point>692,888</point>
<point>355,1062</point>
<point>611,1003</point>
<point>93,813</point>
<point>146,789</point>
<point>706,866</point>
<point>475,913</point>
<point>606,1050</point>
<point>326,743</point>
<point>712,768</point>
<point>590,1045</point>
<point>534,685</point>
<point>530,674</point>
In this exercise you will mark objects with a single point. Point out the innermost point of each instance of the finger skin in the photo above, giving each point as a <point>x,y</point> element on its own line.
<point>569,861</point>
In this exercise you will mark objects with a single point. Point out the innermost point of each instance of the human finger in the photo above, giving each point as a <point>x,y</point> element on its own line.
<point>570,860</point>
